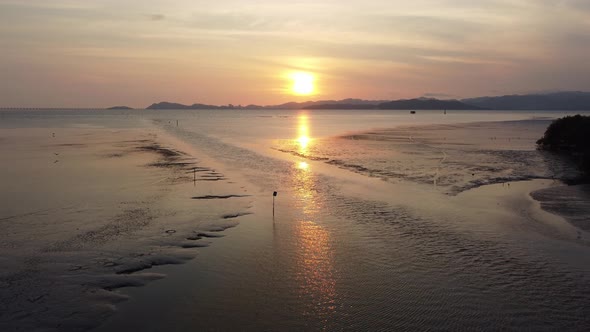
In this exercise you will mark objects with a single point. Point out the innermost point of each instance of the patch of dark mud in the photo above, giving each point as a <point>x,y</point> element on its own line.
<point>208,235</point>
<point>218,196</point>
<point>114,155</point>
<point>111,282</point>
<point>198,169</point>
<point>375,137</point>
<point>149,262</point>
<point>169,158</point>
<point>235,215</point>
<point>302,155</point>
<point>168,164</point>
<point>194,245</point>
<point>78,145</point>
<point>212,179</point>
<point>379,173</point>
<point>342,164</point>
<point>164,152</point>
<point>140,141</point>
<point>198,236</point>
<point>134,143</point>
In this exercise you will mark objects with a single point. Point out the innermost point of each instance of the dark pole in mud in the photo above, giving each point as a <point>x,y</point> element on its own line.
<point>274,194</point>
<point>194,175</point>
<point>176,123</point>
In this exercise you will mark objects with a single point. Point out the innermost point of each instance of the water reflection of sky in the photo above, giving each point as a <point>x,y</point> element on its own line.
<point>303,134</point>
<point>315,261</point>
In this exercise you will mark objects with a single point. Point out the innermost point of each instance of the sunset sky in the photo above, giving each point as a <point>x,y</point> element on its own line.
<point>135,52</point>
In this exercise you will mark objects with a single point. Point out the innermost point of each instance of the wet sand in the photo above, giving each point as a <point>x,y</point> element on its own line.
<point>88,211</point>
<point>570,202</point>
<point>91,214</point>
<point>351,251</point>
<point>287,272</point>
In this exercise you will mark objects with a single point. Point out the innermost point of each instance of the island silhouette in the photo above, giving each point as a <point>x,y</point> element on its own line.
<point>569,100</point>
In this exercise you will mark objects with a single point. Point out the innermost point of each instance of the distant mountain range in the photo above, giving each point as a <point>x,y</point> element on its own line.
<point>288,106</point>
<point>573,100</point>
<point>175,106</point>
<point>120,108</point>
<point>360,104</point>
<point>403,104</point>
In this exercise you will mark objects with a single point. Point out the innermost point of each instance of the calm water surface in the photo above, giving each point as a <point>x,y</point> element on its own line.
<point>378,225</point>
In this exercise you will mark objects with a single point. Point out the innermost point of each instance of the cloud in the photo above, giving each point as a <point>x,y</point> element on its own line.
<point>460,47</point>
<point>156,17</point>
<point>64,4</point>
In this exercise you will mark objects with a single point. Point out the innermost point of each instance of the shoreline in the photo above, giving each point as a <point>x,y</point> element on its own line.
<point>569,201</point>
<point>519,198</point>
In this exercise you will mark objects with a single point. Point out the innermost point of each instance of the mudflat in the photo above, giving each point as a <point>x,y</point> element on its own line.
<point>380,223</point>
<point>87,211</point>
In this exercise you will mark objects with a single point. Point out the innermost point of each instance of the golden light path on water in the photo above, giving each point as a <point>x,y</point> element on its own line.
<point>303,165</point>
<point>303,137</point>
<point>315,259</point>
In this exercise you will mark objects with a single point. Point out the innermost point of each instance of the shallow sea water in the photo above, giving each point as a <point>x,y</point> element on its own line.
<point>384,221</point>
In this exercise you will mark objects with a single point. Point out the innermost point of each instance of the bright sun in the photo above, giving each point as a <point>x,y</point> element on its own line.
<point>303,83</point>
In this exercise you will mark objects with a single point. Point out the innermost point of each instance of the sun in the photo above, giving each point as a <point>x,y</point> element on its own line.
<point>303,83</point>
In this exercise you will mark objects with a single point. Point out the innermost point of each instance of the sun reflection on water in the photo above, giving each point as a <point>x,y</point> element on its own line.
<point>303,142</point>
<point>303,136</point>
<point>315,261</point>
<point>317,283</point>
<point>303,165</point>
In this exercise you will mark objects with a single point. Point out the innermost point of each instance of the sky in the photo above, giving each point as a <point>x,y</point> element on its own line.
<point>94,53</point>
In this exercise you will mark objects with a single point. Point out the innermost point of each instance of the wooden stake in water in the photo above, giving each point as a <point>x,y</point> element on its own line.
<point>194,175</point>
<point>274,194</point>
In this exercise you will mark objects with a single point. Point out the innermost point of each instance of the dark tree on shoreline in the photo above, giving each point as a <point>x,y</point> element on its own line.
<point>569,135</point>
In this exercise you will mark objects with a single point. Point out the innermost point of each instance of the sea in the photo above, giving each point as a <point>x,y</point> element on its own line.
<point>383,221</point>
